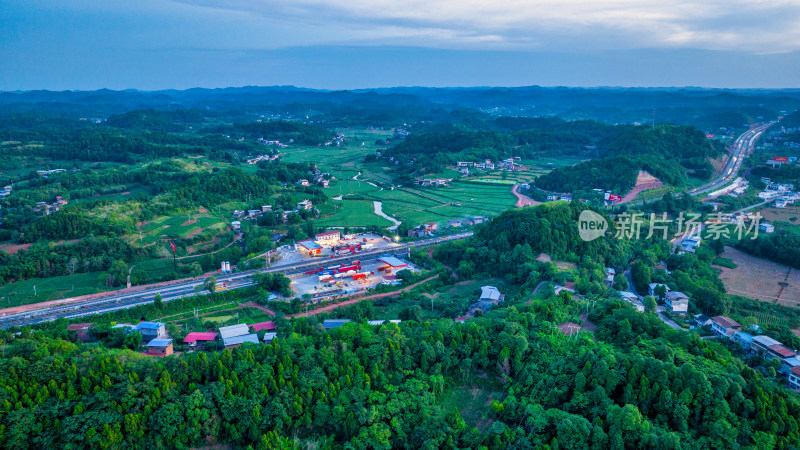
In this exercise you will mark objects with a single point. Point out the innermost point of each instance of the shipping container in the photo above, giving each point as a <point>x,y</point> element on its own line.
<point>313,271</point>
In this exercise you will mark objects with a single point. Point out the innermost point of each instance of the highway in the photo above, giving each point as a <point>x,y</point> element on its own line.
<point>739,151</point>
<point>194,287</point>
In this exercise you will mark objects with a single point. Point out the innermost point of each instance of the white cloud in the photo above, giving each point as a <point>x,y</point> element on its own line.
<point>754,25</point>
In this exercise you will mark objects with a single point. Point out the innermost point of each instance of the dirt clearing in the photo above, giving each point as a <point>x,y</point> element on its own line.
<point>761,279</point>
<point>644,181</point>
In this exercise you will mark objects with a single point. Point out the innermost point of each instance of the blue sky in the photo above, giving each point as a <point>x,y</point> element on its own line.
<point>158,44</point>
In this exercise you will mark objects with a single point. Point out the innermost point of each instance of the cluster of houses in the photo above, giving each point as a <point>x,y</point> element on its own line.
<point>782,193</point>
<point>434,182</point>
<point>252,214</point>
<point>761,345</point>
<point>6,191</point>
<point>490,297</point>
<point>274,143</point>
<point>428,229</point>
<point>47,173</point>
<point>260,158</point>
<point>158,343</point>
<point>510,164</point>
<point>49,208</point>
<point>561,197</point>
<point>317,178</point>
<point>335,142</point>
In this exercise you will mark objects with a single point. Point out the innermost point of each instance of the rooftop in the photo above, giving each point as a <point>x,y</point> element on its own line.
<point>333,323</point>
<point>241,339</point>
<point>149,325</point>
<point>161,342</point>
<point>309,244</point>
<point>392,261</point>
<point>200,336</point>
<point>726,322</point>
<point>269,325</point>
<point>327,233</point>
<point>744,337</point>
<point>782,351</point>
<point>234,330</point>
<point>270,336</point>
<point>490,293</point>
<point>381,322</point>
<point>766,341</point>
<point>675,295</point>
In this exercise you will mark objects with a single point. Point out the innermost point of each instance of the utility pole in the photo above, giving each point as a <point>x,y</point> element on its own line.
<point>34,291</point>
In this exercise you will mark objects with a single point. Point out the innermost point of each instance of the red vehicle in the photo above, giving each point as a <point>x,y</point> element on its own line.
<point>359,276</point>
<point>313,271</point>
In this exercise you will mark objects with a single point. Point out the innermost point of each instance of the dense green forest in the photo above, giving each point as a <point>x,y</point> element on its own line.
<point>666,152</point>
<point>638,385</point>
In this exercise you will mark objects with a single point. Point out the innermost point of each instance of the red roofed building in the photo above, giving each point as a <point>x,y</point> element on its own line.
<point>81,331</point>
<point>724,326</point>
<point>199,339</point>
<point>268,326</point>
<point>794,378</point>
<point>781,351</point>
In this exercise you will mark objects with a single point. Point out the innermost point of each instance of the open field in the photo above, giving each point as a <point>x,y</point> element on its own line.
<point>55,288</point>
<point>785,217</point>
<point>761,279</point>
<point>352,213</point>
<point>180,226</point>
<point>417,205</point>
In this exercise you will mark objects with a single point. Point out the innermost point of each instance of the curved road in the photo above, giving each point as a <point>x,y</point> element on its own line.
<point>741,147</point>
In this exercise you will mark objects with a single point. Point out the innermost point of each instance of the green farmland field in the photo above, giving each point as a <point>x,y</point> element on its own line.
<point>353,213</point>
<point>55,288</point>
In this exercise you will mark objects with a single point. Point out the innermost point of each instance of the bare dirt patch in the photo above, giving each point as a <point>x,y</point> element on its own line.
<point>761,279</point>
<point>202,210</point>
<point>194,233</point>
<point>14,248</point>
<point>523,200</point>
<point>644,181</point>
<point>189,222</point>
<point>544,257</point>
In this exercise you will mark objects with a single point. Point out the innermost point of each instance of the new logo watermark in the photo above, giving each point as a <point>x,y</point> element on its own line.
<point>591,225</point>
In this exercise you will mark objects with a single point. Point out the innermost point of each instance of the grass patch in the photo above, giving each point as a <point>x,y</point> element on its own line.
<point>55,288</point>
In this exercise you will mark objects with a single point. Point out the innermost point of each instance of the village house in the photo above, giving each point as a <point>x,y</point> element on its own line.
<point>159,347</point>
<point>266,326</point>
<point>328,237</point>
<point>81,331</point>
<point>305,204</point>
<point>199,340</point>
<point>454,223</point>
<point>334,323</point>
<point>677,302</point>
<point>744,339</point>
<point>770,348</point>
<point>236,335</point>
<point>724,326</point>
<point>269,337</point>
<point>302,182</point>
<point>151,330</point>
<point>794,378</point>
<point>651,289</point>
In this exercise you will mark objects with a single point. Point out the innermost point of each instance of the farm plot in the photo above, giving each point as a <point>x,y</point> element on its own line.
<point>352,213</point>
<point>416,205</point>
<point>181,226</point>
<point>761,279</point>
